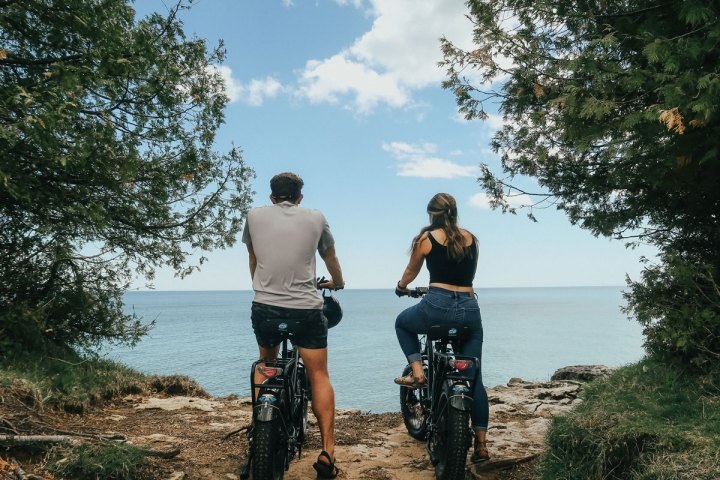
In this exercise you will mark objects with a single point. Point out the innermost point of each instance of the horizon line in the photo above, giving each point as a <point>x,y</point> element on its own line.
<point>382,288</point>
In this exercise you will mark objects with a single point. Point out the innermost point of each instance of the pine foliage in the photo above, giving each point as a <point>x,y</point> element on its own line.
<point>614,108</point>
<point>107,165</point>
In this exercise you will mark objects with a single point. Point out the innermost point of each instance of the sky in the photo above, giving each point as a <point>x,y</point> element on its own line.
<point>346,93</point>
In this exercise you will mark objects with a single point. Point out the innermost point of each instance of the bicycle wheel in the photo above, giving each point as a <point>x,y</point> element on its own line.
<point>268,461</point>
<point>451,440</point>
<point>300,415</point>
<point>413,411</point>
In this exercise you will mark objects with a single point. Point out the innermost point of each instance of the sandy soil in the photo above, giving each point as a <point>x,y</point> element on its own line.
<point>369,446</point>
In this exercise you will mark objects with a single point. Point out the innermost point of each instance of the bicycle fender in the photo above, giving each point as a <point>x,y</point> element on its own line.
<point>267,411</point>
<point>461,402</point>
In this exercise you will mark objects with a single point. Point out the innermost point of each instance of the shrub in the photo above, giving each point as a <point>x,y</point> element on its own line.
<point>651,420</point>
<point>678,304</point>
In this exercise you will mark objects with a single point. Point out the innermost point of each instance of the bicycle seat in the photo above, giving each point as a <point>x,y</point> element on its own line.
<point>448,332</point>
<point>280,326</point>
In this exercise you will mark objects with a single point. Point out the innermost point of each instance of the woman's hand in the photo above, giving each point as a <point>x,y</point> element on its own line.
<point>401,291</point>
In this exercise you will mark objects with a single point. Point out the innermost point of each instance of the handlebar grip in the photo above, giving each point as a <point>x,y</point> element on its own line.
<point>414,293</point>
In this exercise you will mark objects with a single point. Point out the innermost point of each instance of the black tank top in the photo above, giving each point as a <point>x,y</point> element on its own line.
<point>443,269</point>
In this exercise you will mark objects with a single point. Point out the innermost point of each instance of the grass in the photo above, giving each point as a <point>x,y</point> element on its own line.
<point>44,383</point>
<point>651,420</point>
<point>91,462</point>
<point>73,383</point>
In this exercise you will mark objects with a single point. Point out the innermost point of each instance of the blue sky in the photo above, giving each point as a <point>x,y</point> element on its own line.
<point>346,93</point>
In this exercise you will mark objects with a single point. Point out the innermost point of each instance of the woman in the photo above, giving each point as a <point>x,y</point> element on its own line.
<point>451,255</point>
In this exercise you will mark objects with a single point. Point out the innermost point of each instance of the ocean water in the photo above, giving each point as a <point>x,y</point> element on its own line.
<point>529,333</point>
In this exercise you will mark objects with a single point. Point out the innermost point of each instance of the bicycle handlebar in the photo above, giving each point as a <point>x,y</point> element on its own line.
<point>322,279</point>
<point>416,292</point>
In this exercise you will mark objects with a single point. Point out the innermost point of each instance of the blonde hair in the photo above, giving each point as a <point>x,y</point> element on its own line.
<point>442,209</point>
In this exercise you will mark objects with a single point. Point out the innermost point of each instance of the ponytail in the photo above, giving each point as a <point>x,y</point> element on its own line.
<point>443,214</point>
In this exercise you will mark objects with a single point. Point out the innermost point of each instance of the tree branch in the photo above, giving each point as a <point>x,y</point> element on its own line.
<point>24,62</point>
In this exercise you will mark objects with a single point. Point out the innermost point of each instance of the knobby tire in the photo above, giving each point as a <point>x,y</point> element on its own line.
<point>269,452</point>
<point>455,444</point>
<point>301,416</point>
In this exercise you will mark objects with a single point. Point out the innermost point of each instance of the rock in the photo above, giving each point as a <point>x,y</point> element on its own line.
<point>582,373</point>
<point>176,403</point>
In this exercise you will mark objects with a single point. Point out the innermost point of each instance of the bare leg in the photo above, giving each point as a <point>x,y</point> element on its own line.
<point>417,370</point>
<point>481,450</point>
<point>323,395</point>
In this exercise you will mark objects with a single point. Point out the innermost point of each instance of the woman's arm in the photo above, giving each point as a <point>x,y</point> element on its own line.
<point>417,257</point>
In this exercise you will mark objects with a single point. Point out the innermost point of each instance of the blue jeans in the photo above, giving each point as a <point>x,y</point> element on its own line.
<point>440,306</point>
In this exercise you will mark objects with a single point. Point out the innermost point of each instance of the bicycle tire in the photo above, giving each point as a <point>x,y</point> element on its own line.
<point>453,430</point>
<point>301,418</point>
<point>268,461</point>
<point>413,412</point>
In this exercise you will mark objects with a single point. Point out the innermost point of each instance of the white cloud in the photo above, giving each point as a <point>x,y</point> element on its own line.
<point>355,3</point>
<point>398,55</point>
<point>254,93</point>
<point>419,161</point>
<point>288,3</point>
<point>481,200</point>
<point>233,88</point>
<point>435,168</point>
<point>495,122</point>
<point>403,150</point>
<point>328,80</point>
<point>258,90</point>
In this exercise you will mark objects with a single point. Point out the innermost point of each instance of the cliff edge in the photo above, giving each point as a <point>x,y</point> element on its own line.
<point>210,435</point>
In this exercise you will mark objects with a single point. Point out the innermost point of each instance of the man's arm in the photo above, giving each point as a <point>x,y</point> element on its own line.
<point>252,260</point>
<point>333,266</point>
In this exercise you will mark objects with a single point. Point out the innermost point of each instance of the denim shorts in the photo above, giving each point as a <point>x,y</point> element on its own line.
<point>309,327</point>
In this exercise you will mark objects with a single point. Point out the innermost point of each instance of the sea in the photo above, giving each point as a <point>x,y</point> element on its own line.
<point>529,333</point>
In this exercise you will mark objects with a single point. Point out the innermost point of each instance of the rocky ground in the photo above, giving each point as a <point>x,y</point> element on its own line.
<point>212,442</point>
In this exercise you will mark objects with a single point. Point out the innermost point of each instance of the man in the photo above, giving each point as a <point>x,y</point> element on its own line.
<point>282,240</point>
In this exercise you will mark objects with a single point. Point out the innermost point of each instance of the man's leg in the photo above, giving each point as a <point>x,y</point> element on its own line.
<point>323,396</point>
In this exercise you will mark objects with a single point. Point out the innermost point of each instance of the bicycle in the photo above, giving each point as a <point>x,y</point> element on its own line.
<point>439,412</point>
<point>280,408</point>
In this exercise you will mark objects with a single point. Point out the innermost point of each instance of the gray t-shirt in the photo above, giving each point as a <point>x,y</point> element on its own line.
<point>285,238</point>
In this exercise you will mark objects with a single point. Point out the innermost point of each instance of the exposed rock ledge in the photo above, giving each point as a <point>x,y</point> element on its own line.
<point>369,446</point>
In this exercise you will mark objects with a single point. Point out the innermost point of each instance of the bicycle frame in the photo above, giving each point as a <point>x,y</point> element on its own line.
<point>281,386</point>
<point>275,398</point>
<point>276,383</point>
<point>438,359</point>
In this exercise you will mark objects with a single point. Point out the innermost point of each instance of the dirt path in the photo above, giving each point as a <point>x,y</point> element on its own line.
<point>369,446</point>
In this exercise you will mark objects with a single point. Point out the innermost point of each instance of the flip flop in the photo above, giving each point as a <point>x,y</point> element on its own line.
<point>326,470</point>
<point>410,381</point>
<point>480,454</point>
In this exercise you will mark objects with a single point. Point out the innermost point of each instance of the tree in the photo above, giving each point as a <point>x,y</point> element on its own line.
<point>107,166</point>
<point>613,107</point>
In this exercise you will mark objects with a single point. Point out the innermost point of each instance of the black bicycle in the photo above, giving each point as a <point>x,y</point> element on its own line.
<point>279,404</point>
<point>279,420</point>
<point>439,412</point>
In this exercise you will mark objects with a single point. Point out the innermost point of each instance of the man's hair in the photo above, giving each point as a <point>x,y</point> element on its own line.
<point>286,186</point>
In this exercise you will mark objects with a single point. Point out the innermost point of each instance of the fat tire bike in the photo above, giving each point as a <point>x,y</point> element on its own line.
<point>279,421</point>
<point>439,412</point>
